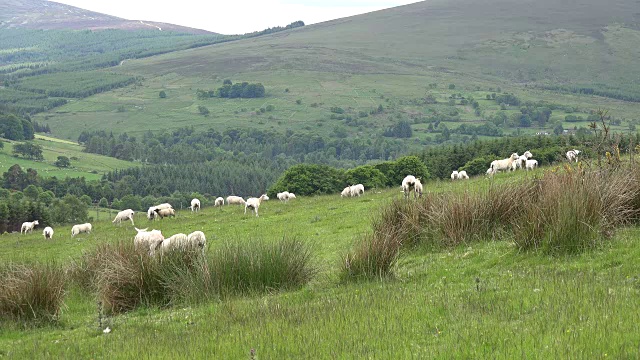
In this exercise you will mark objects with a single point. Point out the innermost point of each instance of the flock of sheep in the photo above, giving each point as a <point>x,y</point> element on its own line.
<point>155,241</point>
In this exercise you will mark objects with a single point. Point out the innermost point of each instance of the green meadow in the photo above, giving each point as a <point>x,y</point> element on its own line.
<point>481,299</point>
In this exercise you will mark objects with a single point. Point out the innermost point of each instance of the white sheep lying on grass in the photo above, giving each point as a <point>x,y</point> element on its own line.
<point>531,164</point>
<point>81,228</point>
<point>124,215</point>
<point>195,205</point>
<point>48,232</point>
<point>219,201</point>
<point>235,200</point>
<point>572,155</point>
<point>254,203</point>
<point>504,164</point>
<point>28,226</point>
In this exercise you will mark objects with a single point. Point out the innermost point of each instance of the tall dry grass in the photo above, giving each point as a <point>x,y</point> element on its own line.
<point>33,292</point>
<point>559,213</point>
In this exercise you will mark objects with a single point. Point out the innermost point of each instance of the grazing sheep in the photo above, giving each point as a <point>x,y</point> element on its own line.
<point>164,206</point>
<point>417,187</point>
<point>357,190</point>
<point>195,205</point>
<point>254,203</point>
<point>572,155</point>
<point>463,175</point>
<point>490,172</point>
<point>504,164</point>
<point>197,238</point>
<point>408,185</point>
<point>48,232</point>
<point>28,226</point>
<point>176,241</point>
<point>454,175</point>
<point>163,213</point>
<point>145,239</point>
<point>531,164</point>
<point>235,200</point>
<point>521,162</point>
<point>124,215</point>
<point>292,196</point>
<point>283,196</point>
<point>346,192</point>
<point>81,228</point>
<point>219,202</point>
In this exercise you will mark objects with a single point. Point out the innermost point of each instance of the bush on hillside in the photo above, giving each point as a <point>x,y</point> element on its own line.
<point>309,179</point>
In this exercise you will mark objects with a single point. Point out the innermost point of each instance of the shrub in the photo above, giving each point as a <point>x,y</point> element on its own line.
<point>31,292</point>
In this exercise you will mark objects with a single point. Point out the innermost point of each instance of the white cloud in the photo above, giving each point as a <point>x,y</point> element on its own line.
<point>236,16</point>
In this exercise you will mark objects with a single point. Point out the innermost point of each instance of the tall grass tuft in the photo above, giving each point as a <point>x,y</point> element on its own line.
<point>32,292</point>
<point>126,279</point>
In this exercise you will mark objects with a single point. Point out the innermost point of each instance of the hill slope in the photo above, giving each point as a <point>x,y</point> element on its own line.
<point>48,15</point>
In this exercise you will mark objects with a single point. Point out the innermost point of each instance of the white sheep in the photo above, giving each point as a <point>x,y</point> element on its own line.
<point>490,172</point>
<point>254,203</point>
<point>454,175</point>
<point>124,215</point>
<point>463,175</point>
<point>28,226</point>
<point>48,232</point>
<point>283,196</point>
<point>235,200</point>
<point>176,241</point>
<point>572,155</point>
<point>527,154</point>
<point>164,206</point>
<point>163,213</point>
<point>408,185</point>
<point>357,190</point>
<point>504,164</point>
<point>417,187</point>
<point>147,239</point>
<point>197,238</point>
<point>81,228</point>
<point>346,192</point>
<point>219,202</point>
<point>151,213</point>
<point>521,161</point>
<point>195,205</point>
<point>292,196</point>
<point>531,164</point>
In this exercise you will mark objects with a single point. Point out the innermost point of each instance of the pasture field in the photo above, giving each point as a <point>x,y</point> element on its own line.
<point>89,166</point>
<point>483,299</point>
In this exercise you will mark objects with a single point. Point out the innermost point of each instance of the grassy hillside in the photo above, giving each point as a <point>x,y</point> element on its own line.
<point>90,166</point>
<point>494,300</point>
<point>388,58</point>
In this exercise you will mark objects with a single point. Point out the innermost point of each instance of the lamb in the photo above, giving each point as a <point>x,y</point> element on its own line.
<point>408,185</point>
<point>490,172</point>
<point>417,187</point>
<point>219,202</point>
<point>195,205</point>
<point>28,226</point>
<point>48,232</point>
<point>124,215</point>
<point>147,239</point>
<point>454,175</point>
<point>283,196</point>
<point>572,155</point>
<point>531,164</point>
<point>357,190</point>
<point>163,213</point>
<point>81,228</point>
<point>504,164</point>
<point>463,175</point>
<point>151,212</point>
<point>235,200</point>
<point>254,203</point>
<point>346,192</point>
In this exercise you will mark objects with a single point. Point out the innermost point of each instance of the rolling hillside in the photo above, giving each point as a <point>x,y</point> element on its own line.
<point>49,15</point>
<point>540,51</point>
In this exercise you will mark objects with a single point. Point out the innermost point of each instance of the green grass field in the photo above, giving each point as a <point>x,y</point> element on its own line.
<point>479,300</point>
<point>90,166</point>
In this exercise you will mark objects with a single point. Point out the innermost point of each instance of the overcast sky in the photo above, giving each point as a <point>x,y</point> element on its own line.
<point>234,16</point>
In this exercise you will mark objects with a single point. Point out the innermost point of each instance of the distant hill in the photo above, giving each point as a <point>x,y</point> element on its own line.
<point>43,14</point>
